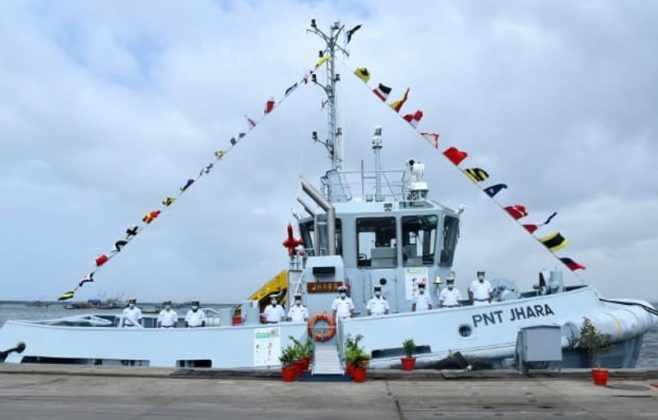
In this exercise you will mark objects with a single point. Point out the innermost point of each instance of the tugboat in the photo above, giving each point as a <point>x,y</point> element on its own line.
<point>366,229</point>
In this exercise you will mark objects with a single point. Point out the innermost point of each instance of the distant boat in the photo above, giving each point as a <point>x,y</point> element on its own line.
<point>38,304</point>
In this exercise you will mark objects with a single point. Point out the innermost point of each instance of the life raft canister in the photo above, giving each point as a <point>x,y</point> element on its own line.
<point>328,332</point>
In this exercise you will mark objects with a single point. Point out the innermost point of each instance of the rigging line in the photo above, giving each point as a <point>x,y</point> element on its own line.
<point>162,208</point>
<point>482,189</point>
<point>649,309</point>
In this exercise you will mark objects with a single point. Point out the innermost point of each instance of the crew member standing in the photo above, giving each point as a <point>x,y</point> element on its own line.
<point>450,297</point>
<point>377,305</point>
<point>273,312</point>
<point>132,315</point>
<point>195,317</point>
<point>422,301</point>
<point>342,306</point>
<point>298,312</point>
<point>167,317</point>
<point>480,292</point>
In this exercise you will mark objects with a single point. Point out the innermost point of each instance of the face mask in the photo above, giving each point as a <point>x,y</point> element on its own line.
<point>421,291</point>
<point>132,306</point>
<point>450,286</point>
<point>167,307</point>
<point>195,308</point>
<point>343,295</point>
<point>378,294</point>
<point>273,302</point>
<point>298,302</point>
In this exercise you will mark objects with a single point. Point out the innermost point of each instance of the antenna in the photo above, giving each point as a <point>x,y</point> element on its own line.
<point>333,143</point>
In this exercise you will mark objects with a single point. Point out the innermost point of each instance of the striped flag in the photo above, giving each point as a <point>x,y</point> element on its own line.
<point>67,295</point>
<point>573,265</point>
<point>382,91</point>
<point>432,138</point>
<point>397,105</point>
<point>86,279</point>
<point>554,242</point>
<point>476,174</point>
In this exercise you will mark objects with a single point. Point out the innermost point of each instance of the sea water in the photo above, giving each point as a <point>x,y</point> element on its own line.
<point>648,355</point>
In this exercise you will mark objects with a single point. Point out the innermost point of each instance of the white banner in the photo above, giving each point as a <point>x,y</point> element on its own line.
<point>413,276</point>
<point>267,346</point>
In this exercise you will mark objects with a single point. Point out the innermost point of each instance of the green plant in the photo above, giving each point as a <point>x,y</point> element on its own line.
<point>355,354</point>
<point>288,356</point>
<point>300,349</point>
<point>409,347</point>
<point>591,341</point>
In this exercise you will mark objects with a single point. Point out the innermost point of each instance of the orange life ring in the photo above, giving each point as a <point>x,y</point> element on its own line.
<point>328,333</point>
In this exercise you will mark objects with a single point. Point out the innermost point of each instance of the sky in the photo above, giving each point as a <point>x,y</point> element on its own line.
<point>106,108</point>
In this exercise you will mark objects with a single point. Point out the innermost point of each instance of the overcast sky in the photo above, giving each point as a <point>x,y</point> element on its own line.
<point>108,107</point>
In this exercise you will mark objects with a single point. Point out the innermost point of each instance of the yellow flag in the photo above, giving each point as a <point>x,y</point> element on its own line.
<point>363,74</point>
<point>397,105</point>
<point>322,60</point>
<point>67,295</point>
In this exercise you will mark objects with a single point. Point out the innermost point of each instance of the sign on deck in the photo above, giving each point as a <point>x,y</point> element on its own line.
<point>323,286</point>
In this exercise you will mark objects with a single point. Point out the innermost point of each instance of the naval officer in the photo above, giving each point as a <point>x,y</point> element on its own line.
<point>273,312</point>
<point>342,307</point>
<point>480,292</point>
<point>450,297</point>
<point>377,305</point>
<point>422,301</point>
<point>167,317</point>
<point>298,312</point>
<point>195,317</point>
<point>132,315</point>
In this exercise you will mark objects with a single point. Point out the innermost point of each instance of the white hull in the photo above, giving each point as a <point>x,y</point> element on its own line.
<point>493,335</point>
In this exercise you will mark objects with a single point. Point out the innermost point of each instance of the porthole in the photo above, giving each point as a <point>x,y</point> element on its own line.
<point>465,330</point>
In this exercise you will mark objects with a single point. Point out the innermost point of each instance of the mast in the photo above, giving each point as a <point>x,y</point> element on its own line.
<point>333,143</point>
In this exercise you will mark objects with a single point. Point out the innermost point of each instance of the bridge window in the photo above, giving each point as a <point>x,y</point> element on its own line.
<point>450,235</point>
<point>307,232</point>
<point>419,239</point>
<point>376,242</point>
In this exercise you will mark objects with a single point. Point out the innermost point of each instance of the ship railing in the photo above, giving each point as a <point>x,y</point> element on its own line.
<point>80,320</point>
<point>392,186</point>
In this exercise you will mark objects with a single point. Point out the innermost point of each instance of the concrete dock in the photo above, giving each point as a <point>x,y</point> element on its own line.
<point>79,392</point>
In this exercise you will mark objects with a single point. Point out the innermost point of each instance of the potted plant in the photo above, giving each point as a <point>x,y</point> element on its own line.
<point>592,342</point>
<point>287,360</point>
<point>303,352</point>
<point>356,359</point>
<point>409,361</point>
<point>351,351</point>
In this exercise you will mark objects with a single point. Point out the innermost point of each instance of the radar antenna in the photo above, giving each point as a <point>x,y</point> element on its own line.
<point>333,143</point>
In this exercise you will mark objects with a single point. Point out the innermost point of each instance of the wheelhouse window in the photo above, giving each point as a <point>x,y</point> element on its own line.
<point>376,242</point>
<point>450,236</point>
<point>419,239</point>
<point>307,231</point>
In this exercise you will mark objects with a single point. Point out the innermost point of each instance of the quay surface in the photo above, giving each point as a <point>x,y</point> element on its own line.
<point>85,392</point>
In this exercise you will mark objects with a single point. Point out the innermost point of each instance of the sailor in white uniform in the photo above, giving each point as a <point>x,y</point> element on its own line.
<point>480,292</point>
<point>195,317</point>
<point>273,312</point>
<point>132,315</point>
<point>342,306</point>
<point>298,312</point>
<point>422,301</point>
<point>377,305</point>
<point>450,297</point>
<point>167,317</point>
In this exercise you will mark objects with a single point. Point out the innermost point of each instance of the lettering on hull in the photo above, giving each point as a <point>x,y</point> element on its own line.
<point>514,314</point>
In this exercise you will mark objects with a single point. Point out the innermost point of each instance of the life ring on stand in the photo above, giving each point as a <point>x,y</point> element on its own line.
<point>327,333</point>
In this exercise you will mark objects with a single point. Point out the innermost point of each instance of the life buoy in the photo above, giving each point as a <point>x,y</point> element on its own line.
<point>328,333</point>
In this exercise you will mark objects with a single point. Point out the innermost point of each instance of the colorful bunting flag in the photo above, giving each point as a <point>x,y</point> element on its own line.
<point>269,105</point>
<point>206,170</point>
<point>573,265</point>
<point>363,74</point>
<point>432,138</point>
<point>219,154</point>
<point>532,227</point>
<point>554,241</point>
<point>251,122</point>
<point>397,105</point>
<point>86,279</point>
<point>382,91</point>
<point>119,244</point>
<point>101,259</point>
<point>494,189</point>
<point>187,185</point>
<point>67,295</point>
<point>170,200</point>
<point>233,141</point>
<point>151,216</point>
<point>455,155</point>
<point>414,118</point>
<point>350,32</point>
<point>476,174</point>
<point>290,89</point>
<point>322,60</point>
<point>132,231</point>
<point>517,211</point>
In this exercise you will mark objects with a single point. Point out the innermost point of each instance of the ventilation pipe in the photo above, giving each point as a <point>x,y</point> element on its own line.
<point>325,205</point>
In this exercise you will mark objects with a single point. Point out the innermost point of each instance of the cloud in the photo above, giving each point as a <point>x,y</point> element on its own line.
<point>105,110</point>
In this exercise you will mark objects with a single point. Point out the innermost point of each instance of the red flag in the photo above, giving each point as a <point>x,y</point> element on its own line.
<point>414,119</point>
<point>517,211</point>
<point>150,216</point>
<point>531,228</point>
<point>101,259</point>
<point>432,138</point>
<point>573,265</point>
<point>269,105</point>
<point>455,155</point>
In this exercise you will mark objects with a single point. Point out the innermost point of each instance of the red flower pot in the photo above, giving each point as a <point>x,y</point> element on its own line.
<point>307,362</point>
<point>359,374</point>
<point>349,369</point>
<point>600,376</point>
<point>288,373</point>
<point>299,367</point>
<point>408,363</point>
